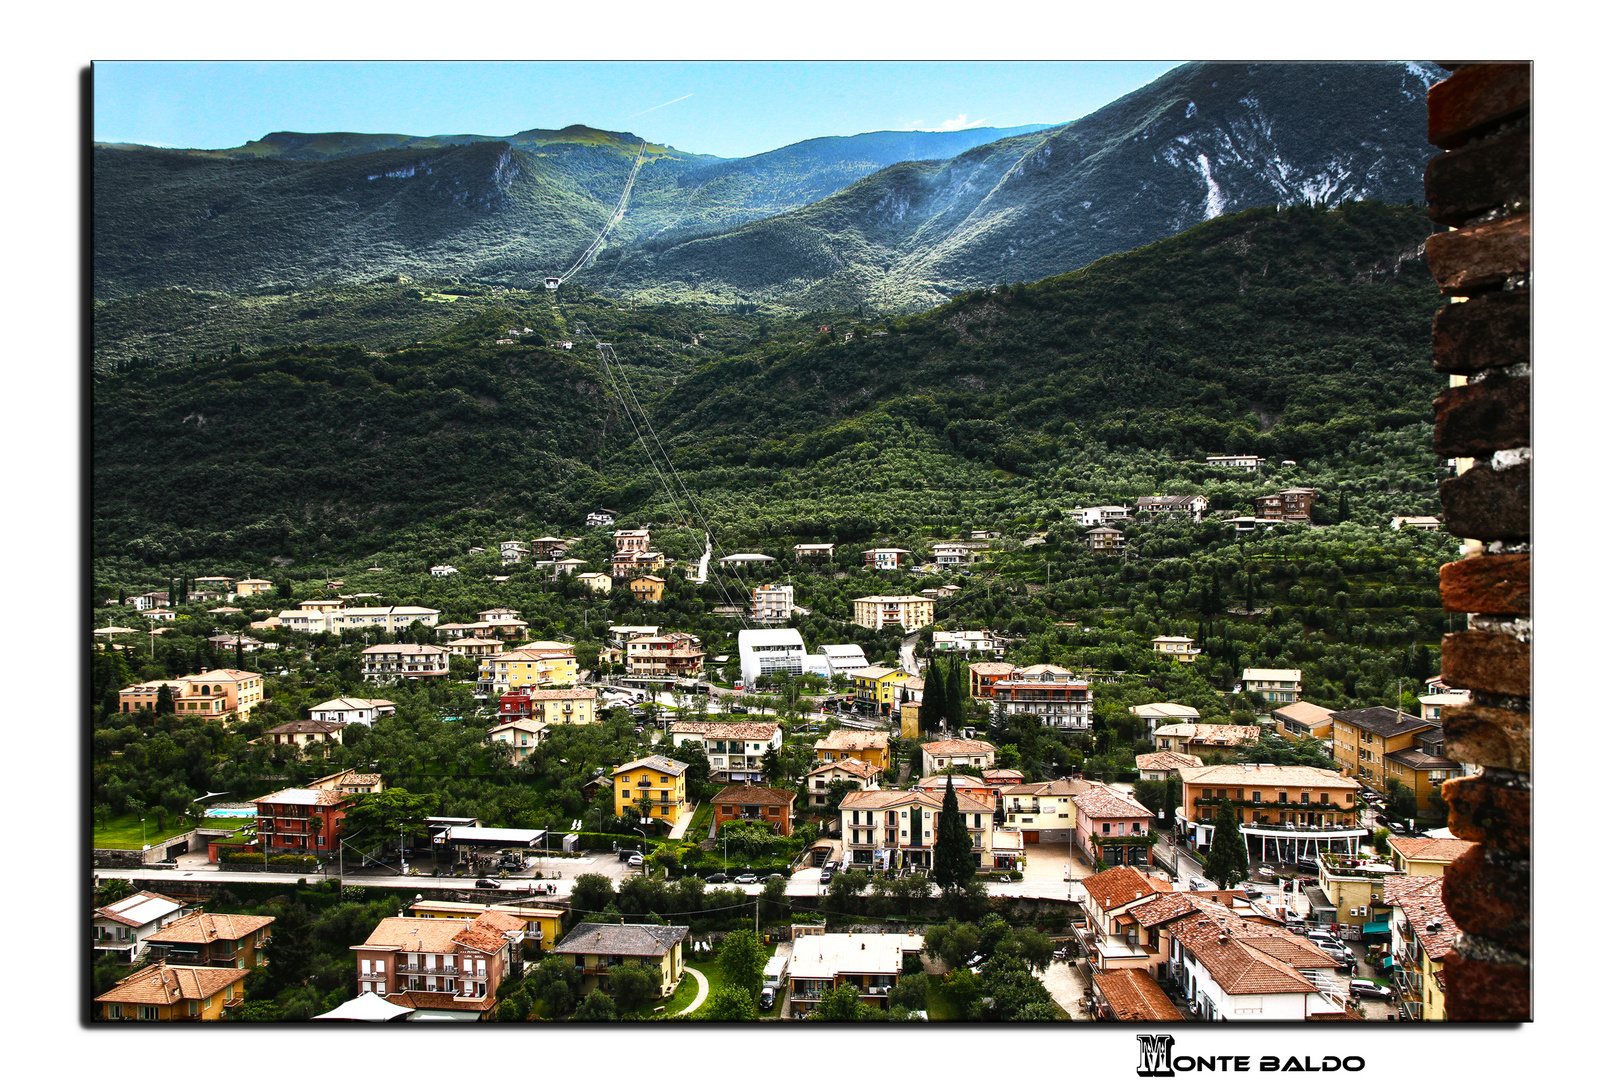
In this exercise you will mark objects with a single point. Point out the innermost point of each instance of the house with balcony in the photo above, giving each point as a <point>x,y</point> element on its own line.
<point>597,948</point>
<point>876,688</point>
<point>538,663</point>
<point>630,541</point>
<point>1421,937</point>
<point>906,612</point>
<point>1288,504</point>
<point>653,787</point>
<point>820,963</point>
<point>1105,540</point>
<point>1161,505</point>
<point>1284,811</point>
<point>648,589</point>
<point>347,710</point>
<point>744,802</point>
<point>162,992</point>
<point>520,736</point>
<point>551,547</point>
<point>219,694</point>
<point>541,925</point>
<point>673,655</point>
<point>954,553</point>
<point>888,830</point>
<point>513,551</point>
<point>772,603</point>
<point>1165,712</point>
<point>253,586</point>
<point>956,753</point>
<point>305,735</point>
<point>1043,812</point>
<point>969,641</point>
<point>1230,968</point>
<point>505,622</point>
<point>575,705</point>
<point>1245,462</point>
<point>349,782</point>
<point>1380,745</point>
<point>1112,939</point>
<point>1191,738</point>
<point>120,929</point>
<point>1054,695</point>
<point>870,747</point>
<point>1118,828</point>
<point>1181,649</point>
<point>863,775</point>
<point>1098,515</point>
<point>985,674</point>
<point>562,566</point>
<point>885,558</point>
<point>201,939</point>
<point>444,968</point>
<point>813,552</point>
<point>597,518</point>
<point>410,662</point>
<point>1417,523</point>
<point>301,821</point>
<point>595,581</point>
<point>1278,686</point>
<point>735,750</point>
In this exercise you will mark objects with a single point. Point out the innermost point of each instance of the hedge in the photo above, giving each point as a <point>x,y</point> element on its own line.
<point>248,858</point>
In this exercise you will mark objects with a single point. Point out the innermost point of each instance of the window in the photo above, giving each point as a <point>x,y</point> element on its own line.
<point>1106,828</point>
<point>115,1012</point>
<point>1280,796</point>
<point>146,1012</point>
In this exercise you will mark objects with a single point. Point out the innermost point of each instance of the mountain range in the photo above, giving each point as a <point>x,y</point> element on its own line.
<point>894,220</point>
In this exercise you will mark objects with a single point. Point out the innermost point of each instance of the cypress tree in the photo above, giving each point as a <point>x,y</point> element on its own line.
<point>954,707</point>
<point>1227,855</point>
<point>954,864</point>
<point>165,700</point>
<point>932,699</point>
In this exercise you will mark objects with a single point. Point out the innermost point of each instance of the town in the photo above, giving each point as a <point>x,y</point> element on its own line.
<point>400,815</point>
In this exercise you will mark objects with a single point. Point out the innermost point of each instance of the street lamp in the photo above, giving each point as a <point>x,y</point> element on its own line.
<point>143,844</point>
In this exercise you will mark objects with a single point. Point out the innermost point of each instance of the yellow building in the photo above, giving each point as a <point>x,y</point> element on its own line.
<point>653,787</point>
<point>599,947</point>
<point>216,694</point>
<point>876,686</point>
<point>544,925</point>
<point>1183,649</point>
<point>1425,856</point>
<point>648,588</point>
<point>253,586</point>
<point>1421,936</point>
<point>162,992</point>
<point>870,747</point>
<point>908,612</point>
<point>1357,887</point>
<point>539,663</point>
<point>1380,745</point>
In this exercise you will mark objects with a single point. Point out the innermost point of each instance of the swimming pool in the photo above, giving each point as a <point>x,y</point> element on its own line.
<point>231,812</point>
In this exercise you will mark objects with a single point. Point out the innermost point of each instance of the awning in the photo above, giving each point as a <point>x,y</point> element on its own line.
<point>1380,927</point>
<point>1389,962</point>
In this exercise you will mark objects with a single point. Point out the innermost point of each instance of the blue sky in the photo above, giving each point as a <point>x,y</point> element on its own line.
<point>730,109</point>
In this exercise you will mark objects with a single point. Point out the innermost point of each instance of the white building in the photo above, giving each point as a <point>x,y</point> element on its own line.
<point>1250,462</point>
<point>766,652</point>
<point>735,750</point>
<point>953,554</point>
<point>1279,685</point>
<point>347,710</point>
<point>885,558</point>
<point>844,659</point>
<point>600,517</point>
<point>968,641</point>
<point>122,927</point>
<point>1091,516</point>
<point>443,571</point>
<point>772,603</point>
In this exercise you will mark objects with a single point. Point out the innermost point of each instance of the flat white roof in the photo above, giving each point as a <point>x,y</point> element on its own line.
<point>825,956</point>
<point>752,639</point>
<point>465,835</point>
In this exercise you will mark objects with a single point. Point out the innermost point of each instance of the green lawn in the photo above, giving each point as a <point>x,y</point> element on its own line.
<point>937,1007</point>
<point>125,832</point>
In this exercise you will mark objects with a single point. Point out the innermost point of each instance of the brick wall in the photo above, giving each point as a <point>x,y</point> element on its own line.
<point>1479,187</point>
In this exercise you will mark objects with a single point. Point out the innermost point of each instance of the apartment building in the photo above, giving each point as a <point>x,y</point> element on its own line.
<point>386,663</point>
<point>906,612</point>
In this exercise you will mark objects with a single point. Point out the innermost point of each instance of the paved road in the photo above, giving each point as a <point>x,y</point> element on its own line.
<point>907,653</point>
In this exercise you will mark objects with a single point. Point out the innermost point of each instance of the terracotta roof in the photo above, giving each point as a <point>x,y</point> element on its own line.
<point>621,939</point>
<point>1303,712</point>
<point>430,999</point>
<point>1422,900</point>
<point>882,798</point>
<point>404,650</point>
<point>951,747</point>
<point>741,729</point>
<point>1213,734</point>
<point>1233,962</point>
<point>1420,759</point>
<point>1134,997</point>
<point>1167,760</point>
<point>1381,720</point>
<point>846,739</point>
<point>1430,848</point>
<point>409,934</point>
<point>160,984</point>
<point>854,766</point>
<point>1166,708</point>
<point>1002,774</point>
<point>200,928</point>
<point>1104,802</point>
<point>992,667</point>
<point>748,795</point>
<point>1122,885</point>
<point>1293,775</point>
<point>305,727</point>
<point>303,797</point>
<point>1071,786</point>
<point>576,694</point>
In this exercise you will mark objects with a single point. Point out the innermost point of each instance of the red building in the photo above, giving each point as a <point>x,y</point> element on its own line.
<point>301,820</point>
<point>744,802</point>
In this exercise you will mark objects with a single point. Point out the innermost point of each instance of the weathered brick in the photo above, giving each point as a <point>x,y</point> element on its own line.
<point>1479,257</point>
<point>1473,180</point>
<point>1479,418</point>
<point>1485,503</point>
<point>1493,663</point>
<point>1487,893</point>
<point>1485,810</point>
<point>1488,331</point>
<point>1487,584</point>
<point>1490,738</point>
<point>1474,99</point>
<point>1479,991</point>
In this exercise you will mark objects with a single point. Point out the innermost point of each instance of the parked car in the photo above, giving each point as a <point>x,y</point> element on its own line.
<point>1307,863</point>
<point>738,709</point>
<point>1367,988</point>
<point>1344,959</point>
<point>1381,819</point>
<point>766,999</point>
<point>717,879</point>
<point>746,877</point>
<point>825,875</point>
<point>487,883</point>
<point>776,877</point>
<point>1252,893</point>
<point>636,860</point>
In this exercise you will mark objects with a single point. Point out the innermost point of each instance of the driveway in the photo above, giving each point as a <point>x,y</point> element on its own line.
<point>1050,862</point>
<point>702,993</point>
<point>1068,986</point>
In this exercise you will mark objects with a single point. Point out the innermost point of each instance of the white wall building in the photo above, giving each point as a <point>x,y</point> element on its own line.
<point>765,652</point>
<point>772,603</point>
<point>1091,516</point>
<point>844,659</point>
